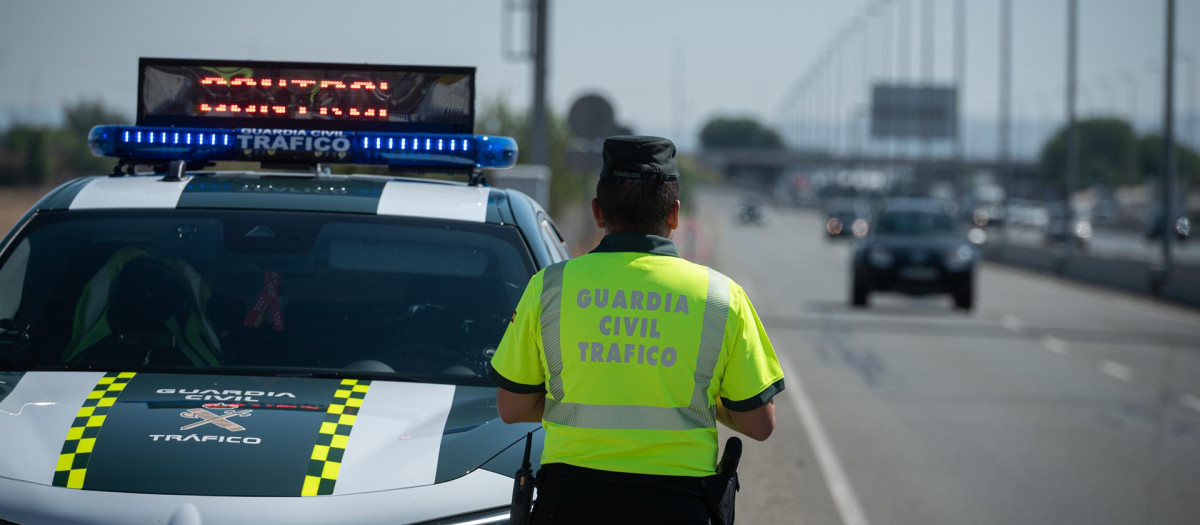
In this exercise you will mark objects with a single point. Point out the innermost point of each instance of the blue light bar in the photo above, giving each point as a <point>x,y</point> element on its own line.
<point>411,150</point>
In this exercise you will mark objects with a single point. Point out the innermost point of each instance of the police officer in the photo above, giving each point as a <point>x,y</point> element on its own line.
<point>629,355</point>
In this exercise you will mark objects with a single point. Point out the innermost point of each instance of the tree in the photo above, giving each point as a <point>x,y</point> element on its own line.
<point>723,132</point>
<point>24,155</point>
<point>1150,159</point>
<point>80,116</point>
<point>1106,154</point>
<point>498,118</point>
<point>32,155</point>
<point>78,120</point>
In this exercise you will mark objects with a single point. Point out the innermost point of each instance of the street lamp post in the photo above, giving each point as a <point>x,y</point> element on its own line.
<point>1193,95</point>
<point>1168,219</point>
<point>539,143</point>
<point>1131,80</point>
<point>1072,87</point>
<point>927,65</point>
<point>1005,131</point>
<point>960,75</point>
<point>904,39</point>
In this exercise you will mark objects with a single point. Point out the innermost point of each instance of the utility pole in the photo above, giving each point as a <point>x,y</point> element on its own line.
<point>960,76</point>
<point>1168,182</point>
<point>835,74</point>
<point>1131,79</point>
<point>904,41</point>
<point>927,27</point>
<point>539,135</point>
<point>861,133</point>
<point>904,38</point>
<point>678,88</point>
<point>1005,121</point>
<point>889,63</point>
<point>885,41</point>
<point>1072,87</point>
<point>1193,94</point>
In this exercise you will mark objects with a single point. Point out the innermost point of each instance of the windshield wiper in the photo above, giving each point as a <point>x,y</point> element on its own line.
<point>382,376</point>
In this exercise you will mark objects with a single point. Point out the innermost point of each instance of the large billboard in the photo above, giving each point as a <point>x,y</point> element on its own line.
<point>914,112</point>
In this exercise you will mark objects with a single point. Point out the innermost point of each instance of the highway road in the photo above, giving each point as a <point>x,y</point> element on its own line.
<point>1051,403</point>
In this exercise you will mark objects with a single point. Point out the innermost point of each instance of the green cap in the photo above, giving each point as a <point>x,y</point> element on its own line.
<point>639,157</point>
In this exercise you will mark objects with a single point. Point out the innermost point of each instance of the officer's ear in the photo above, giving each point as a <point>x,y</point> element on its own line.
<point>597,214</point>
<point>673,217</point>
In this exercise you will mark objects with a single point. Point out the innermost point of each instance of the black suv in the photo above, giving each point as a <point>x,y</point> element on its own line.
<point>916,247</point>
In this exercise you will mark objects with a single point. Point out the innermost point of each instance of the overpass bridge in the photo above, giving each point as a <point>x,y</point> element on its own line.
<point>771,164</point>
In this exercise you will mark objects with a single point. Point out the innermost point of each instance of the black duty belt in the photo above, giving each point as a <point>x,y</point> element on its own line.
<point>557,473</point>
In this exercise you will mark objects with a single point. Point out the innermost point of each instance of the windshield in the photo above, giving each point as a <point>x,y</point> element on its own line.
<point>262,292</point>
<point>919,223</point>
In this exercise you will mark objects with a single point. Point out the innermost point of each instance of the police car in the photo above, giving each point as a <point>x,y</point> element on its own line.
<point>186,346</point>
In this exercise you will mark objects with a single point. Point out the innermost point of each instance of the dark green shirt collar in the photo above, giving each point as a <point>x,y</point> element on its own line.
<point>637,242</point>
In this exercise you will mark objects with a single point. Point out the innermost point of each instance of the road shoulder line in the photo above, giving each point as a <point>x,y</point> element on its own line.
<point>844,498</point>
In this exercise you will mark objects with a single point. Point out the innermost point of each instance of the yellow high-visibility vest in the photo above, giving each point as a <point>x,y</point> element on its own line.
<point>633,345</point>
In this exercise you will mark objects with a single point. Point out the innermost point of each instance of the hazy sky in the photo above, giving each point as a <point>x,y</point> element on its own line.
<point>721,57</point>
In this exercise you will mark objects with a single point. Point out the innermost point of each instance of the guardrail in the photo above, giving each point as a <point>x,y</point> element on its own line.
<point>1181,284</point>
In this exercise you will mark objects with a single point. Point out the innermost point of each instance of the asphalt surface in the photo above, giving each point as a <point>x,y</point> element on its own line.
<point>1051,402</point>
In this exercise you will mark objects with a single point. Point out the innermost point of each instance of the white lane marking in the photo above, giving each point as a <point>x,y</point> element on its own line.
<point>1191,401</point>
<point>844,498</point>
<point>1012,324</point>
<point>1054,345</point>
<point>1115,369</point>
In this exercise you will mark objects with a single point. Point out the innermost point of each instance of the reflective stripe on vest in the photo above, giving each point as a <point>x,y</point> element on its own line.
<point>698,414</point>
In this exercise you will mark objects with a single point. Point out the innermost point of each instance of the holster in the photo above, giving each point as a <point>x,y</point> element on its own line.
<point>720,489</point>
<point>720,492</point>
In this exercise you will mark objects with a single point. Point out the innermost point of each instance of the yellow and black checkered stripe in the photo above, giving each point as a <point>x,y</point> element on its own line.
<point>77,449</point>
<point>326,459</point>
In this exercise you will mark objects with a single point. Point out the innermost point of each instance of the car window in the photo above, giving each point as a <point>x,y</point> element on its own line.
<point>550,235</point>
<point>915,223</point>
<point>265,291</point>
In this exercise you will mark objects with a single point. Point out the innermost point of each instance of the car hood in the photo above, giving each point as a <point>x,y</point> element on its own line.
<point>224,435</point>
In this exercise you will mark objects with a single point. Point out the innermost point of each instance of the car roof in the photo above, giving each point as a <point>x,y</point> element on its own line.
<point>919,204</point>
<point>275,191</point>
<point>247,190</point>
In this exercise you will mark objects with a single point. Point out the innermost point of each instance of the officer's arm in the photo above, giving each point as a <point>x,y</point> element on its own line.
<point>521,408</point>
<point>758,424</point>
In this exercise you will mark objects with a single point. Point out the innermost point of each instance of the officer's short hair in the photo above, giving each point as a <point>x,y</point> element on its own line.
<point>636,205</point>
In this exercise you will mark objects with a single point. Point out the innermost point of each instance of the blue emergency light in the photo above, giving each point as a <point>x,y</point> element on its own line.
<point>306,146</point>
<point>200,111</point>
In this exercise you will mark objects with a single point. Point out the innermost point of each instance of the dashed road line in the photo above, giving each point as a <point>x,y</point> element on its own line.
<point>1012,324</point>
<point>1054,345</point>
<point>1116,370</point>
<point>1191,401</point>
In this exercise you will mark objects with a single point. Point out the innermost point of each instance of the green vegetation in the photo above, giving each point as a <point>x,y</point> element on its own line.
<point>36,155</point>
<point>723,132</point>
<point>496,117</point>
<point>1111,155</point>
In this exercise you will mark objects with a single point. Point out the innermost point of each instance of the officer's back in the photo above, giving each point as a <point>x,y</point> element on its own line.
<point>629,355</point>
